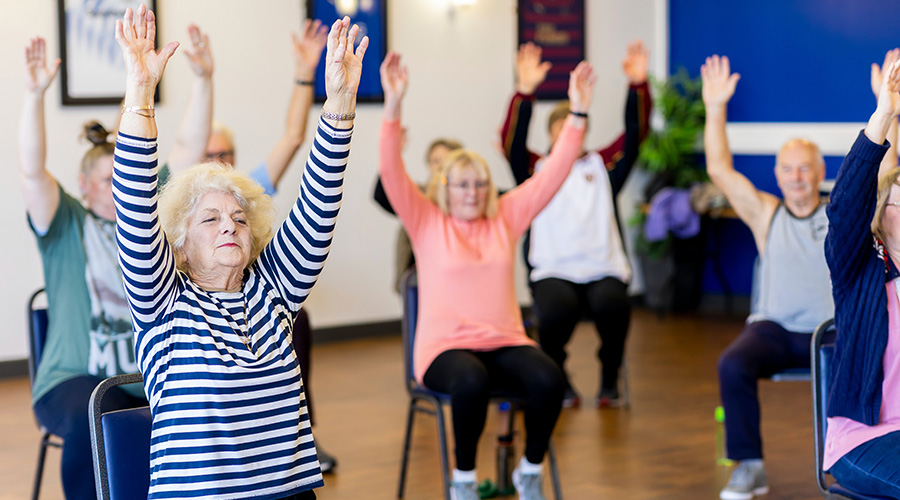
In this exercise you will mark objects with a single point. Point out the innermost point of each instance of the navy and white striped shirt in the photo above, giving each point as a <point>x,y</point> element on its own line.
<point>229,410</point>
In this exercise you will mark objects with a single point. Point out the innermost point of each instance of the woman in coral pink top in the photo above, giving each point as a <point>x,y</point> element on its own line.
<point>470,337</point>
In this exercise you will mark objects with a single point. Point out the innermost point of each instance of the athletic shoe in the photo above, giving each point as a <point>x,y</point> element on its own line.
<point>463,490</point>
<point>747,481</point>
<point>608,398</point>
<point>571,398</point>
<point>529,486</point>
<point>327,462</point>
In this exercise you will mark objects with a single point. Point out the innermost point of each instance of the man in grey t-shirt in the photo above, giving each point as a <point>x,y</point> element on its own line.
<point>793,280</point>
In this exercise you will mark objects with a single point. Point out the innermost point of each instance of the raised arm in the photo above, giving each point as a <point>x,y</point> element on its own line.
<point>853,200</point>
<point>877,76</point>
<point>530,74</point>
<point>39,187</point>
<point>754,207</point>
<point>405,197</point>
<point>144,255</point>
<point>620,156</point>
<point>521,205</point>
<point>194,130</point>
<point>307,51</point>
<point>294,258</point>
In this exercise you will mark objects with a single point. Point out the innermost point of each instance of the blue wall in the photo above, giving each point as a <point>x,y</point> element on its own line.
<point>800,61</point>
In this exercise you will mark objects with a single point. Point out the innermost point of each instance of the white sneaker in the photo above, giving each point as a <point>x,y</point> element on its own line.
<point>747,481</point>
<point>529,486</point>
<point>463,490</point>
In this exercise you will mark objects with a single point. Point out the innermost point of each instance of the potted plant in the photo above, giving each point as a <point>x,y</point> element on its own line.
<point>673,267</point>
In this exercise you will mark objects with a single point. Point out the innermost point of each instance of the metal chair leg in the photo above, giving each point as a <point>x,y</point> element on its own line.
<point>554,473</point>
<point>442,438</point>
<point>39,473</point>
<point>404,463</point>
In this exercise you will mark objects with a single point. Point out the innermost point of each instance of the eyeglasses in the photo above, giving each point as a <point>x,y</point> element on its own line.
<point>221,156</point>
<point>465,186</point>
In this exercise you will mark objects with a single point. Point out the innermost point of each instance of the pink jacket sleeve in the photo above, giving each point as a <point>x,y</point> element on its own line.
<point>408,201</point>
<point>521,205</point>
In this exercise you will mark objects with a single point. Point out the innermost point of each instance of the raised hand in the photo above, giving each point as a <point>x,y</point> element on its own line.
<point>199,56</point>
<point>888,96</point>
<point>37,75</point>
<point>144,66</point>
<point>877,75</point>
<point>343,66</point>
<point>581,87</point>
<point>530,71</point>
<point>308,49</point>
<point>718,81</point>
<point>394,78</point>
<point>636,62</point>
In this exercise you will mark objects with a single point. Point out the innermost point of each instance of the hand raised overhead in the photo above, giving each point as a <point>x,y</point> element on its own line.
<point>530,71</point>
<point>343,66</point>
<point>877,71</point>
<point>136,35</point>
<point>37,75</point>
<point>636,62</point>
<point>718,81</point>
<point>888,96</point>
<point>199,55</point>
<point>394,78</point>
<point>581,87</point>
<point>308,48</point>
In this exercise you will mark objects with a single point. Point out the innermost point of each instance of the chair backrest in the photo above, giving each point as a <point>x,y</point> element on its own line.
<point>409,289</point>
<point>821,358</point>
<point>120,442</point>
<point>37,332</point>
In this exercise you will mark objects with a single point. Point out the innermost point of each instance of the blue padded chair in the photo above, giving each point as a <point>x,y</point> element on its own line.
<point>120,442</point>
<point>821,359</point>
<point>430,402</point>
<point>37,335</point>
<point>791,374</point>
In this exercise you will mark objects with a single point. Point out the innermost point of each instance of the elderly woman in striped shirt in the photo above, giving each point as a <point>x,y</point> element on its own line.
<point>212,295</point>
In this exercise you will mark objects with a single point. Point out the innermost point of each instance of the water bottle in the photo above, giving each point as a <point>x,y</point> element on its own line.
<point>506,452</point>
<point>721,454</point>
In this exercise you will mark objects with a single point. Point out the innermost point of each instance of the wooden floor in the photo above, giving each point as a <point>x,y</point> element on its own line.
<point>662,448</point>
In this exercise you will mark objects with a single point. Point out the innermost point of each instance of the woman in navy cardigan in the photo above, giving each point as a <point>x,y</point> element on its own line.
<point>863,250</point>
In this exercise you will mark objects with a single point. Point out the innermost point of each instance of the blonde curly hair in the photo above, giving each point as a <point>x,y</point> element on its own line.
<point>182,194</point>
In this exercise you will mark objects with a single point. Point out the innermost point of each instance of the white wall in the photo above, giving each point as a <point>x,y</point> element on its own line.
<point>461,65</point>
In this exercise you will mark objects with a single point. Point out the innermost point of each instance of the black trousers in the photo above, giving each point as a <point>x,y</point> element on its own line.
<point>560,304</point>
<point>470,376</point>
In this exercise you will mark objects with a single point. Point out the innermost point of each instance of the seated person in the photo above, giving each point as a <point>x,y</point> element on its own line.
<point>575,255</point>
<point>863,406</point>
<point>213,292</point>
<point>794,287</point>
<point>469,336</point>
<point>220,147</point>
<point>89,332</point>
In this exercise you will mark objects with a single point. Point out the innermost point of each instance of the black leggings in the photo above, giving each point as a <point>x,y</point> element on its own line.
<point>560,305</point>
<point>302,340</point>
<point>469,376</point>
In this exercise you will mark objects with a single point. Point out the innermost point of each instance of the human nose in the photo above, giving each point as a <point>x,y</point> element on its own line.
<point>227,226</point>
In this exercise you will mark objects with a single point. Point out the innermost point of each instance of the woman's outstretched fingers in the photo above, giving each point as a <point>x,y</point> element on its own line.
<point>363,46</point>
<point>151,26</point>
<point>140,23</point>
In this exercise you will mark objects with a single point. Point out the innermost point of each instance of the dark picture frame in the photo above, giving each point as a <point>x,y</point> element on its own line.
<point>557,26</point>
<point>371,16</point>
<point>93,72</point>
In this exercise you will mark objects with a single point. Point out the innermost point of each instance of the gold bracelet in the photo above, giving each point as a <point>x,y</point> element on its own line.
<point>146,111</point>
<point>338,116</point>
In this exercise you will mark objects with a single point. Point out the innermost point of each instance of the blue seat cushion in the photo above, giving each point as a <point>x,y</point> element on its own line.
<point>126,439</point>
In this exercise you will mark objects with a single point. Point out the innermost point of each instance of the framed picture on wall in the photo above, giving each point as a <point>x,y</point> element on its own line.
<point>557,26</point>
<point>371,16</point>
<point>93,71</point>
